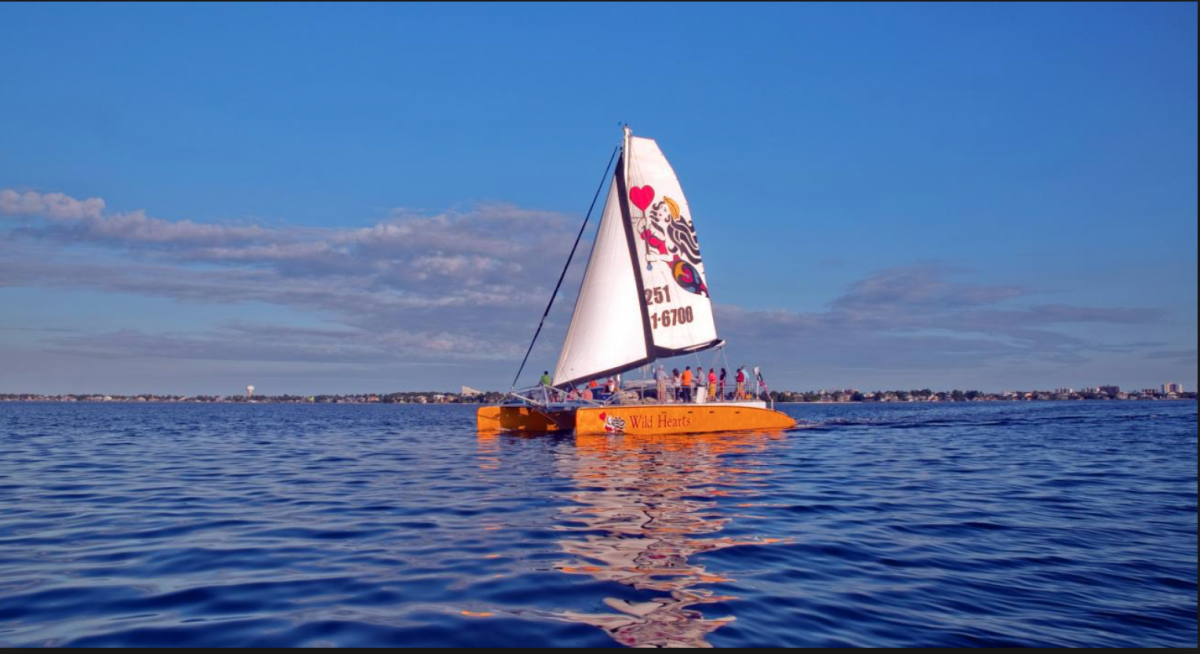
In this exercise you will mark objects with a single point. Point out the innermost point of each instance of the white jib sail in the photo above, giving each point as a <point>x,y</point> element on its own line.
<point>667,255</point>
<point>606,333</point>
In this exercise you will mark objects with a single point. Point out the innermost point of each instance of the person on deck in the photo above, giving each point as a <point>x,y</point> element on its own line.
<point>721,385</point>
<point>660,377</point>
<point>686,380</point>
<point>741,383</point>
<point>545,380</point>
<point>675,384</point>
<point>602,390</point>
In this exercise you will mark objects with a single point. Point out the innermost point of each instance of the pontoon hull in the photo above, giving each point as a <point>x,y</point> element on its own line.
<point>634,419</point>
<point>523,418</point>
<point>678,419</point>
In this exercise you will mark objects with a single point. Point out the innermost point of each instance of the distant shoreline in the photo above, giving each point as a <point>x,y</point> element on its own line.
<point>52,400</point>
<point>473,397</point>
<point>1009,401</point>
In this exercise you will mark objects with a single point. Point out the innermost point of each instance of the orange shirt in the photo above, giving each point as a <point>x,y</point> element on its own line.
<point>687,377</point>
<point>712,377</point>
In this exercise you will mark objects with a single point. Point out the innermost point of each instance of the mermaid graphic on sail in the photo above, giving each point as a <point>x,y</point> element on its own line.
<point>668,237</point>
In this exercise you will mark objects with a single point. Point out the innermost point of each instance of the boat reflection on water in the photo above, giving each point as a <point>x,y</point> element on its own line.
<point>653,501</point>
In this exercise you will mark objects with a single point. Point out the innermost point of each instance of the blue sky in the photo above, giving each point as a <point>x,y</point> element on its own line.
<point>334,198</point>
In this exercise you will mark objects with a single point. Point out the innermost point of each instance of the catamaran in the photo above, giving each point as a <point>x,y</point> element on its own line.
<point>644,297</point>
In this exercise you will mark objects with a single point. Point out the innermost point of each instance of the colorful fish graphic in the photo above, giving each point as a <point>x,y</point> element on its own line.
<point>688,277</point>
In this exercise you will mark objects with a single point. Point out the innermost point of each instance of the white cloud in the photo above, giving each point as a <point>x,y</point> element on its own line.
<point>51,205</point>
<point>470,284</point>
<point>86,220</point>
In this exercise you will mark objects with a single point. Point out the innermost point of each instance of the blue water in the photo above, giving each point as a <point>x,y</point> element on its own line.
<point>877,525</point>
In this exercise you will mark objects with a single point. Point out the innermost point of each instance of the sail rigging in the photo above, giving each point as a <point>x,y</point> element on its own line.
<point>644,294</point>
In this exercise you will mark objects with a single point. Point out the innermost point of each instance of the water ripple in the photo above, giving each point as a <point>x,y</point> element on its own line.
<point>1048,524</point>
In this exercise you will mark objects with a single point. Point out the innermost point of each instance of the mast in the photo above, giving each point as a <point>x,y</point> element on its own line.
<point>626,218</point>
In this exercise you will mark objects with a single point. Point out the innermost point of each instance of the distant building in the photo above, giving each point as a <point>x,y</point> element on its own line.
<point>467,391</point>
<point>1172,387</point>
<point>1110,390</point>
<point>249,391</point>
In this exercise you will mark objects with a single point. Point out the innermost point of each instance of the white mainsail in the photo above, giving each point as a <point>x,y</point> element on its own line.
<point>606,335</point>
<point>644,294</point>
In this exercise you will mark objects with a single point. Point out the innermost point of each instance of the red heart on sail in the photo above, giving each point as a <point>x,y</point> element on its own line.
<point>641,196</point>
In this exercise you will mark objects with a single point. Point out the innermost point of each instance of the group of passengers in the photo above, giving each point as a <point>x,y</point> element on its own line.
<point>686,386</point>
<point>673,387</point>
<point>593,390</point>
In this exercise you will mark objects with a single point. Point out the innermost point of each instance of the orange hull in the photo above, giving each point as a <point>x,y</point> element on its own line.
<point>522,418</point>
<point>678,419</point>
